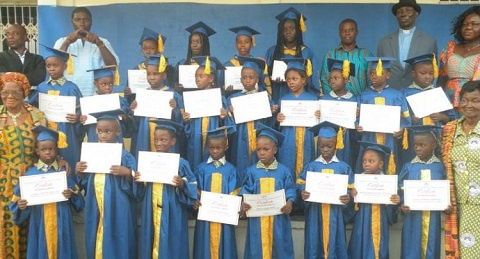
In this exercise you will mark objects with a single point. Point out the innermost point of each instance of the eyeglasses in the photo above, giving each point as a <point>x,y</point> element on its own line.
<point>15,93</point>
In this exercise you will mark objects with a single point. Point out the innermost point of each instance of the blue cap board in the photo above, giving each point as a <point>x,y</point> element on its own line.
<point>221,131</point>
<point>108,115</point>
<point>51,52</point>
<point>154,60</point>
<point>325,129</point>
<point>419,129</point>
<point>108,71</point>
<point>385,62</point>
<point>202,28</point>
<point>215,64</point>
<point>149,34</point>
<point>244,30</point>
<point>418,59</point>
<point>257,64</point>
<point>380,149</point>
<point>263,130</point>
<point>295,63</point>
<point>333,64</point>
<point>45,133</point>
<point>168,125</point>
<point>290,14</point>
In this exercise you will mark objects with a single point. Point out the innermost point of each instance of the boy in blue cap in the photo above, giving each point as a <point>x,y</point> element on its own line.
<point>51,232</point>
<point>219,176</point>
<point>325,233</point>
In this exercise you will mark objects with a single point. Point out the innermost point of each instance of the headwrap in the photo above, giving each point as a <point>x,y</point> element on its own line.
<point>17,78</point>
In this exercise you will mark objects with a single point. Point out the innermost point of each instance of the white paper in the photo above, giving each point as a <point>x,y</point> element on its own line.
<point>220,208</point>
<point>186,76</point>
<point>233,76</point>
<point>299,113</point>
<point>43,188</point>
<point>326,188</point>
<point>341,113</point>
<point>427,102</point>
<point>98,103</point>
<point>251,107</point>
<point>278,70</point>
<point>375,188</point>
<point>158,167</point>
<point>137,79</point>
<point>265,204</point>
<point>427,195</point>
<point>380,118</point>
<point>203,103</point>
<point>56,107</point>
<point>101,156</point>
<point>156,104</point>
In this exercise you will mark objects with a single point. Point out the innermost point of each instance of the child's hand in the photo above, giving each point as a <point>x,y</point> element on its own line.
<point>317,114</point>
<point>133,106</point>
<point>405,209</point>
<point>278,80</point>
<point>72,118</point>
<point>280,117</point>
<point>80,167</point>
<point>358,112</point>
<point>186,116</point>
<point>120,170</point>
<point>395,198</point>
<point>173,103</point>
<point>398,134</point>
<point>305,195</point>
<point>22,204</point>
<point>359,129</point>
<point>223,113</point>
<point>177,181</point>
<point>448,210</point>
<point>67,193</point>
<point>353,192</point>
<point>274,108</point>
<point>229,88</point>
<point>345,199</point>
<point>137,176</point>
<point>196,205</point>
<point>245,208</point>
<point>440,116</point>
<point>415,120</point>
<point>287,208</point>
<point>127,91</point>
<point>230,107</point>
<point>61,164</point>
<point>178,88</point>
<point>83,119</point>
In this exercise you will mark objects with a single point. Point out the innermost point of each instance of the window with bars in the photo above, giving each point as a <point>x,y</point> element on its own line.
<point>23,15</point>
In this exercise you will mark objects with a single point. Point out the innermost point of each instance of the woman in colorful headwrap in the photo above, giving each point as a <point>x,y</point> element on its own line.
<point>17,152</point>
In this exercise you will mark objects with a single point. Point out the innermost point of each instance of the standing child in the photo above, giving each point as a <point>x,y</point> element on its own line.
<point>51,233</point>
<point>164,229</point>
<point>216,240</point>
<point>110,211</point>
<point>325,233</point>
<point>269,236</point>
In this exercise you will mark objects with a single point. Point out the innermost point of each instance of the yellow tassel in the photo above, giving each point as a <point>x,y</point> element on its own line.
<point>435,67</point>
<point>160,44</point>
<point>340,144</point>
<point>253,40</point>
<point>70,65</point>
<point>405,139</point>
<point>308,68</point>
<point>62,140</point>
<point>379,69</point>
<point>303,28</point>
<point>265,71</point>
<point>207,67</point>
<point>346,69</point>
<point>116,79</point>
<point>162,65</point>
<point>391,164</point>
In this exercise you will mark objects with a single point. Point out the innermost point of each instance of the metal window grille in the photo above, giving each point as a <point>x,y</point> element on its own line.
<point>459,1</point>
<point>23,15</point>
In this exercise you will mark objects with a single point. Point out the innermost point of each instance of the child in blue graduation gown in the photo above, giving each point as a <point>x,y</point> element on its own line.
<point>269,236</point>
<point>421,233</point>
<point>57,84</point>
<point>216,240</point>
<point>164,229</point>
<point>325,234</point>
<point>299,146</point>
<point>51,233</point>
<point>370,234</point>
<point>110,206</point>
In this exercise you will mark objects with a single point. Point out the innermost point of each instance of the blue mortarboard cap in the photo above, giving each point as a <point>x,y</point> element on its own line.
<point>257,64</point>
<point>154,60</point>
<point>384,150</point>
<point>385,62</point>
<point>290,14</point>
<point>244,30</point>
<point>45,133</point>
<point>419,129</point>
<point>325,129</point>
<point>266,131</point>
<point>201,28</point>
<point>108,71</point>
<point>108,115</point>
<point>149,34</point>
<point>221,131</point>
<point>295,63</point>
<point>421,58</point>
<point>215,64</point>
<point>51,52</point>
<point>168,125</point>
<point>338,64</point>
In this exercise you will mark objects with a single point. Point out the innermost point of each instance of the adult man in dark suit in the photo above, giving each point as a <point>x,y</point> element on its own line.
<point>405,43</point>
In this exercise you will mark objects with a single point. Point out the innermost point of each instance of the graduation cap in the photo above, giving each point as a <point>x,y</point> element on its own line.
<point>347,68</point>
<point>257,64</point>
<point>418,130</point>
<point>245,30</point>
<point>201,28</point>
<point>327,129</point>
<point>221,131</point>
<point>429,57</point>
<point>299,64</point>
<point>210,63</point>
<point>168,125</point>
<point>158,60</point>
<point>45,133</point>
<point>107,71</point>
<point>379,63</point>
<point>65,56</point>
<point>293,14</point>
<point>149,34</point>
<point>108,115</point>
<point>274,135</point>
<point>386,152</point>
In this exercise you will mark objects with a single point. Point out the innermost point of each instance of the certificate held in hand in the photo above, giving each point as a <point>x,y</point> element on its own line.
<point>56,107</point>
<point>156,104</point>
<point>278,70</point>
<point>326,188</point>
<point>375,188</point>
<point>98,103</point>
<point>101,156</point>
<point>380,118</point>
<point>220,208</point>
<point>203,103</point>
<point>432,195</point>
<point>428,102</point>
<point>137,79</point>
<point>43,188</point>
<point>299,113</point>
<point>158,167</point>
<point>233,76</point>
<point>341,113</point>
<point>186,76</point>
<point>265,204</point>
<point>251,107</point>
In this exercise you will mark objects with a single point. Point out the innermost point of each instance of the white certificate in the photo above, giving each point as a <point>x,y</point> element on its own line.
<point>278,70</point>
<point>326,188</point>
<point>98,103</point>
<point>137,79</point>
<point>203,103</point>
<point>56,107</point>
<point>265,204</point>
<point>380,118</point>
<point>233,76</point>
<point>299,113</point>
<point>158,167</point>
<point>427,102</point>
<point>341,113</point>
<point>151,103</point>
<point>375,188</point>
<point>251,107</point>
<point>427,195</point>
<point>101,156</point>
<point>220,208</point>
<point>186,76</point>
<point>43,188</point>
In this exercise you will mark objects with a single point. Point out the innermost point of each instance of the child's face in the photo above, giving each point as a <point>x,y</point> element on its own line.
<point>244,45</point>
<point>203,81</point>
<point>196,45</point>
<point>46,151</point>
<point>266,150</point>
<point>217,147</point>
<point>379,81</point>
<point>155,78</point>
<point>104,85</point>
<point>55,67</point>
<point>423,74</point>
<point>337,82</point>
<point>327,147</point>
<point>424,145</point>
<point>289,31</point>
<point>295,81</point>
<point>163,140</point>
<point>372,162</point>
<point>149,47</point>
<point>107,131</point>
<point>249,78</point>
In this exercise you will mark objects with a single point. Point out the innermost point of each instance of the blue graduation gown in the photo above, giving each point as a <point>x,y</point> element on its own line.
<point>164,216</point>
<point>412,221</point>
<point>211,179</point>
<point>289,151</point>
<point>59,216</point>
<point>315,223</point>
<point>279,226</point>
<point>110,213</point>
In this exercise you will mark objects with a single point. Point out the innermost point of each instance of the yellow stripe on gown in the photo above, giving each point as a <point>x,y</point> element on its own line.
<point>215,228</point>
<point>267,185</point>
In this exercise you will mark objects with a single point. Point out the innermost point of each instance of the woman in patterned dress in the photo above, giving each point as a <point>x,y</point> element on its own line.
<point>17,152</point>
